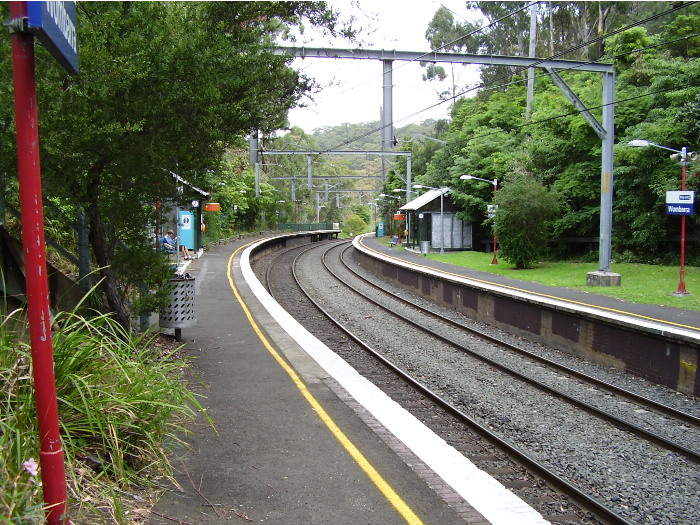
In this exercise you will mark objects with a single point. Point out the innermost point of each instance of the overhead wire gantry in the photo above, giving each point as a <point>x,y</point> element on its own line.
<point>553,67</point>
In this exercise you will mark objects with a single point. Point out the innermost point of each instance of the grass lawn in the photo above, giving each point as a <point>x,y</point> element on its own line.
<point>641,283</point>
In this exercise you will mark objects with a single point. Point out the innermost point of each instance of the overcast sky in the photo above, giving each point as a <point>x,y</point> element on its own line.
<point>353,88</point>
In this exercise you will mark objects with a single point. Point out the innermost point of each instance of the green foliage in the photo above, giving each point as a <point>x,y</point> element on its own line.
<point>683,31</point>
<point>119,399</point>
<point>214,228</point>
<point>143,274</point>
<point>524,207</point>
<point>657,99</point>
<point>20,492</point>
<point>122,404</point>
<point>355,225</point>
<point>146,104</point>
<point>643,175</point>
<point>626,46</point>
<point>348,172</point>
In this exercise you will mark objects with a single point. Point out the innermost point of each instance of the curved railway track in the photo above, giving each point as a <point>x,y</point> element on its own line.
<point>522,471</point>
<point>682,418</point>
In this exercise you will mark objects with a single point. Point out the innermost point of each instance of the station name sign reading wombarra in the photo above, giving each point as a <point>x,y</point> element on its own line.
<point>55,24</point>
<point>680,202</point>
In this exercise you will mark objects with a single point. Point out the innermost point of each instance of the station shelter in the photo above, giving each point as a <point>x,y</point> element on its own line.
<point>430,220</point>
<point>186,223</point>
<point>184,215</point>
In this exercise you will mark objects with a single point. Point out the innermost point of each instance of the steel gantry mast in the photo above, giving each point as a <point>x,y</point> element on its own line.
<point>606,131</point>
<point>311,154</point>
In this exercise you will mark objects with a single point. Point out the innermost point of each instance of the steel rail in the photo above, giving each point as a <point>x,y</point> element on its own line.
<point>632,396</point>
<point>610,418</point>
<point>587,502</point>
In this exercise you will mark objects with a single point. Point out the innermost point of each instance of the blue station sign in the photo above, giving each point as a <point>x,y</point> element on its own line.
<point>680,202</point>
<point>55,24</point>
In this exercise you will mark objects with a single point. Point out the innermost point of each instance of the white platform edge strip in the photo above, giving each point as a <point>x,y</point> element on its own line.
<point>566,306</point>
<point>489,497</point>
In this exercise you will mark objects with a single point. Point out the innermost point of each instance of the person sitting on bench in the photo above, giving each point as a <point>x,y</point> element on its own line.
<point>168,242</point>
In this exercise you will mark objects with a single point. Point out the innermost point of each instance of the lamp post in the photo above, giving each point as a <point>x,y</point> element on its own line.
<point>408,223</point>
<point>391,215</point>
<point>318,213</point>
<point>407,192</point>
<point>318,208</point>
<point>495,189</point>
<point>442,216</point>
<point>681,155</point>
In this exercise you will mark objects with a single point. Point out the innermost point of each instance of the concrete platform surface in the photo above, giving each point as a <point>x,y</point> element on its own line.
<point>290,444</point>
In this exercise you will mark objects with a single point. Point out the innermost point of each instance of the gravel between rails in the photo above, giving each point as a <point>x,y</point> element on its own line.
<point>643,482</point>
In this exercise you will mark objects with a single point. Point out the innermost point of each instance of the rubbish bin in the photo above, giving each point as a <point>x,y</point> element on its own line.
<point>180,313</point>
<point>425,247</point>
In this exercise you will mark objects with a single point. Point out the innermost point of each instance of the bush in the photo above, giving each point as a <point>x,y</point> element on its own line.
<point>355,225</point>
<point>20,494</point>
<point>121,404</point>
<point>524,207</point>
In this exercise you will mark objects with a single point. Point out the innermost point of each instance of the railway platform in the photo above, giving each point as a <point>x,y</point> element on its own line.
<point>664,314</point>
<point>297,437</point>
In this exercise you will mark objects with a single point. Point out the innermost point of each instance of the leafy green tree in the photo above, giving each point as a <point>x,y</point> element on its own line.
<point>643,175</point>
<point>682,32</point>
<point>524,207</point>
<point>363,212</point>
<point>355,225</point>
<point>164,87</point>
<point>483,142</point>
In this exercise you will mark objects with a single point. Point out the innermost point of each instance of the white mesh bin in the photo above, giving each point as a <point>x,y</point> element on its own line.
<point>180,313</point>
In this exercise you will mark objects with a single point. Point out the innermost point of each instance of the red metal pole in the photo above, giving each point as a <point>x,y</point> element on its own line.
<point>681,283</point>
<point>495,240</point>
<point>53,475</point>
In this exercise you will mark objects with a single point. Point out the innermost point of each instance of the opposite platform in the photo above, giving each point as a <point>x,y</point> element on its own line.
<point>672,316</point>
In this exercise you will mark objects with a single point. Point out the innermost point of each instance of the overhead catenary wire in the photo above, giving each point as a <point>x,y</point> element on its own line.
<point>520,81</point>
<point>570,113</point>
<point>554,56</point>
<point>483,87</point>
<point>480,29</point>
<point>462,37</point>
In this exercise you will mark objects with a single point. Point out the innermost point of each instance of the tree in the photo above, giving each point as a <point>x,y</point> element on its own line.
<point>524,207</point>
<point>355,225</point>
<point>446,35</point>
<point>644,175</point>
<point>164,87</point>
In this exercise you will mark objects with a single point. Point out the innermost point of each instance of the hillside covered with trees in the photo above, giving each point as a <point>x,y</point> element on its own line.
<point>497,133</point>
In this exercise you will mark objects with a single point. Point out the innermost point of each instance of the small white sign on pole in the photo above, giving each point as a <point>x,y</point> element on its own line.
<point>680,202</point>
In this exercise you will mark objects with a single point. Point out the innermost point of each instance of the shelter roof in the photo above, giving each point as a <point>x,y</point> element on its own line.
<point>422,200</point>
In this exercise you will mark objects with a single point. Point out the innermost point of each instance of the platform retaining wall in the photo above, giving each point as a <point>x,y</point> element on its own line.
<point>289,240</point>
<point>664,357</point>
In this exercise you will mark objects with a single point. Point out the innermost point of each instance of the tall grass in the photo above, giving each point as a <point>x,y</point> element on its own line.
<point>20,495</point>
<point>121,405</point>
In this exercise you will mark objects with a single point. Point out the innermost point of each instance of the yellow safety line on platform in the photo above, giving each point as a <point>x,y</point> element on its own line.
<point>631,314</point>
<point>389,493</point>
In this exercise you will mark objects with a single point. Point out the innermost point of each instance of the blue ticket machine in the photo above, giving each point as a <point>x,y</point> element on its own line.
<point>186,229</point>
<point>380,229</point>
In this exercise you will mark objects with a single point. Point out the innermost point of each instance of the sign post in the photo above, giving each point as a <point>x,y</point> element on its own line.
<point>53,475</point>
<point>677,202</point>
<point>681,203</point>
